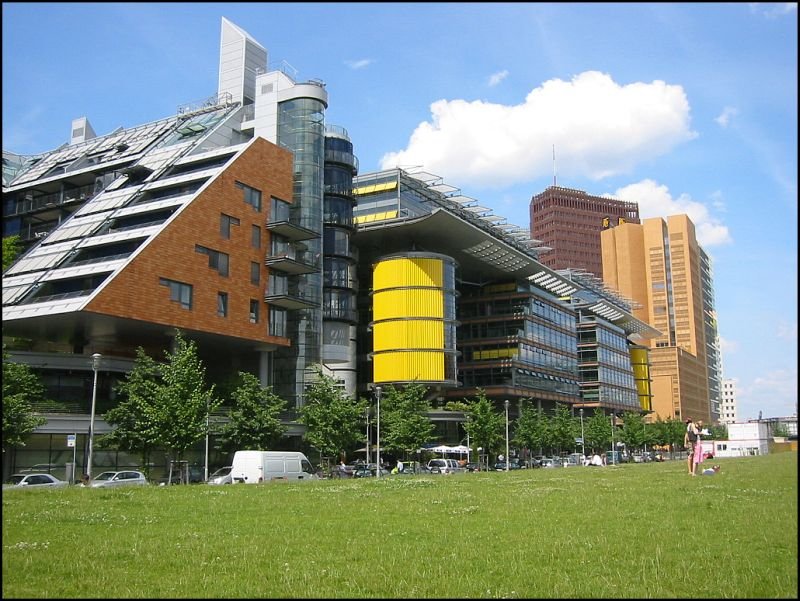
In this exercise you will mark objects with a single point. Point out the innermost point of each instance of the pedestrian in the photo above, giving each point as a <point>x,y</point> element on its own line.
<point>698,452</point>
<point>689,441</point>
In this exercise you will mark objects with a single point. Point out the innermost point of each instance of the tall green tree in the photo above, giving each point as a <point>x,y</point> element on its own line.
<point>132,418</point>
<point>532,429</point>
<point>254,421</point>
<point>484,424</point>
<point>562,429</point>
<point>21,388</point>
<point>11,248</point>
<point>405,425</point>
<point>165,405</point>
<point>333,420</point>
<point>183,401</point>
<point>635,433</point>
<point>597,432</point>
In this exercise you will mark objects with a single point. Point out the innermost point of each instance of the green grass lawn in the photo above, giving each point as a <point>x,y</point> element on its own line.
<point>628,531</point>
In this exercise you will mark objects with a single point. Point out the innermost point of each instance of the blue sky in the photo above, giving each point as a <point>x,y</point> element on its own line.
<point>683,108</point>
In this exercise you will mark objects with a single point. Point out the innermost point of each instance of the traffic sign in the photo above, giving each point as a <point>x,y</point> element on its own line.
<point>70,440</point>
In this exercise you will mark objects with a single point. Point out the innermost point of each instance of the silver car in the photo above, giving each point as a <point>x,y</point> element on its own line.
<point>123,478</point>
<point>221,476</point>
<point>33,481</point>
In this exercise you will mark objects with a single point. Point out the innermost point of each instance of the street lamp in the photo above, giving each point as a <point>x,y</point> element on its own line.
<point>378,433</point>
<point>366,418</point>
<point>95,366</point>
<point>613,448</point>
<point>583,442</point>
<point>508,459</point>
<point>208,427</point>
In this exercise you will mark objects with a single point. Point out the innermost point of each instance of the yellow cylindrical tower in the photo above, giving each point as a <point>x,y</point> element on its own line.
<point>414,326</point>
<point>641,375</point>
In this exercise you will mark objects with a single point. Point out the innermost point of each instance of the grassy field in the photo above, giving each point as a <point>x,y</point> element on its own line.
<point>629,531</point>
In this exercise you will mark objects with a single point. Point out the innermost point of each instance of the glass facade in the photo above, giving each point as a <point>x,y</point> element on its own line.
<point>301,129</point>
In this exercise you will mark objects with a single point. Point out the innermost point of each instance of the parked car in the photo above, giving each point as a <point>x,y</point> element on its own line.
<point>33,481</point>
<point>122,478</point>
<point>42,468</point>
<point>444,466</point>
<point>473,467</point>
<point>500,466</point>
<point>369,471</point>
<point>195,475</point>
<point>221,476</point>
<point>552,462</point>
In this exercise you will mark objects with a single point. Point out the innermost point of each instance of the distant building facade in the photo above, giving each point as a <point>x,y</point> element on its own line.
<point>660,265</point>
<point>728,411</point>
<point>569,222</point>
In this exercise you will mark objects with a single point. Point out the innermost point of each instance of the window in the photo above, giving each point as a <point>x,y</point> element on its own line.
<point>253,311</point>
<point>178,292</point>
<point>225,223</point>
<point>255,237</point>
<point>216,260</point>
<point>251,195</point>
<point>277,321</point>
<point>222,304</point>
<point>255,273</point>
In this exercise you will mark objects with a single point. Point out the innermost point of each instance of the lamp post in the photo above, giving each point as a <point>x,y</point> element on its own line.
<point>508,459</point>
<point>613,448</point>
<point>378,433</point>
<point>208,424</point>
<point>583,442</point>
<point>95,366</point>
<point>366,418</point>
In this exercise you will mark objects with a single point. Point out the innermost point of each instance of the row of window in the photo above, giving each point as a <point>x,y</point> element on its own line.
<point>182,293</point>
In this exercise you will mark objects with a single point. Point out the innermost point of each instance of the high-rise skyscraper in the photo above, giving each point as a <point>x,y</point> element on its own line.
<point>660,266</point>
<point>569,222</point>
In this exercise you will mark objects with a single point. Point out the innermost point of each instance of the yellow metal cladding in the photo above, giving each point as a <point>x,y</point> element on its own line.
<point>641,374</point>
<point>398,272</point>
<point>401,334</point>
<point>408,366</point>
<point>413,304</point>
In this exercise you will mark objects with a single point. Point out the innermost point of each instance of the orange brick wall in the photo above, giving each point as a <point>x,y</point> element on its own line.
<point>135,292</point>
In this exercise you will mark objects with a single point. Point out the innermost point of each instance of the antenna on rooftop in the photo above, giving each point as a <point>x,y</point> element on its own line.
<point>554,164</point>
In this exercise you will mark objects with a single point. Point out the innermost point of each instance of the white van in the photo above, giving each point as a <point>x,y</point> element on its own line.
<point>252,467</point>
<point>444,466</point>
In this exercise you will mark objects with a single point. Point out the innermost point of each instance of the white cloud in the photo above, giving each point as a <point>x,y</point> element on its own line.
<point>728,346</point>
<point>359,64</point>
<point>496,78</point>
<point>787,330</point>
<point>725,117</point>
<point>774,394</point>
<point>655,200</point>
<point>772,10</point>
<point>599,127</point>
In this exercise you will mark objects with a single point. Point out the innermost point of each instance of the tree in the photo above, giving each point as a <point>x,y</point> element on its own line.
<point>333,420</point>
<point>597,431</point>
<point>166,405</point>
<point>720,432</point>
<point>532,430</point>
<point>133,430</point>
<point>562,428</point>
<point>183,401</point>
<point>634,431</point>
<point>11,248</point>
<point>21,388</point>
<point>405,425</point>
<point>484,424</point>
<point>255,417</point>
